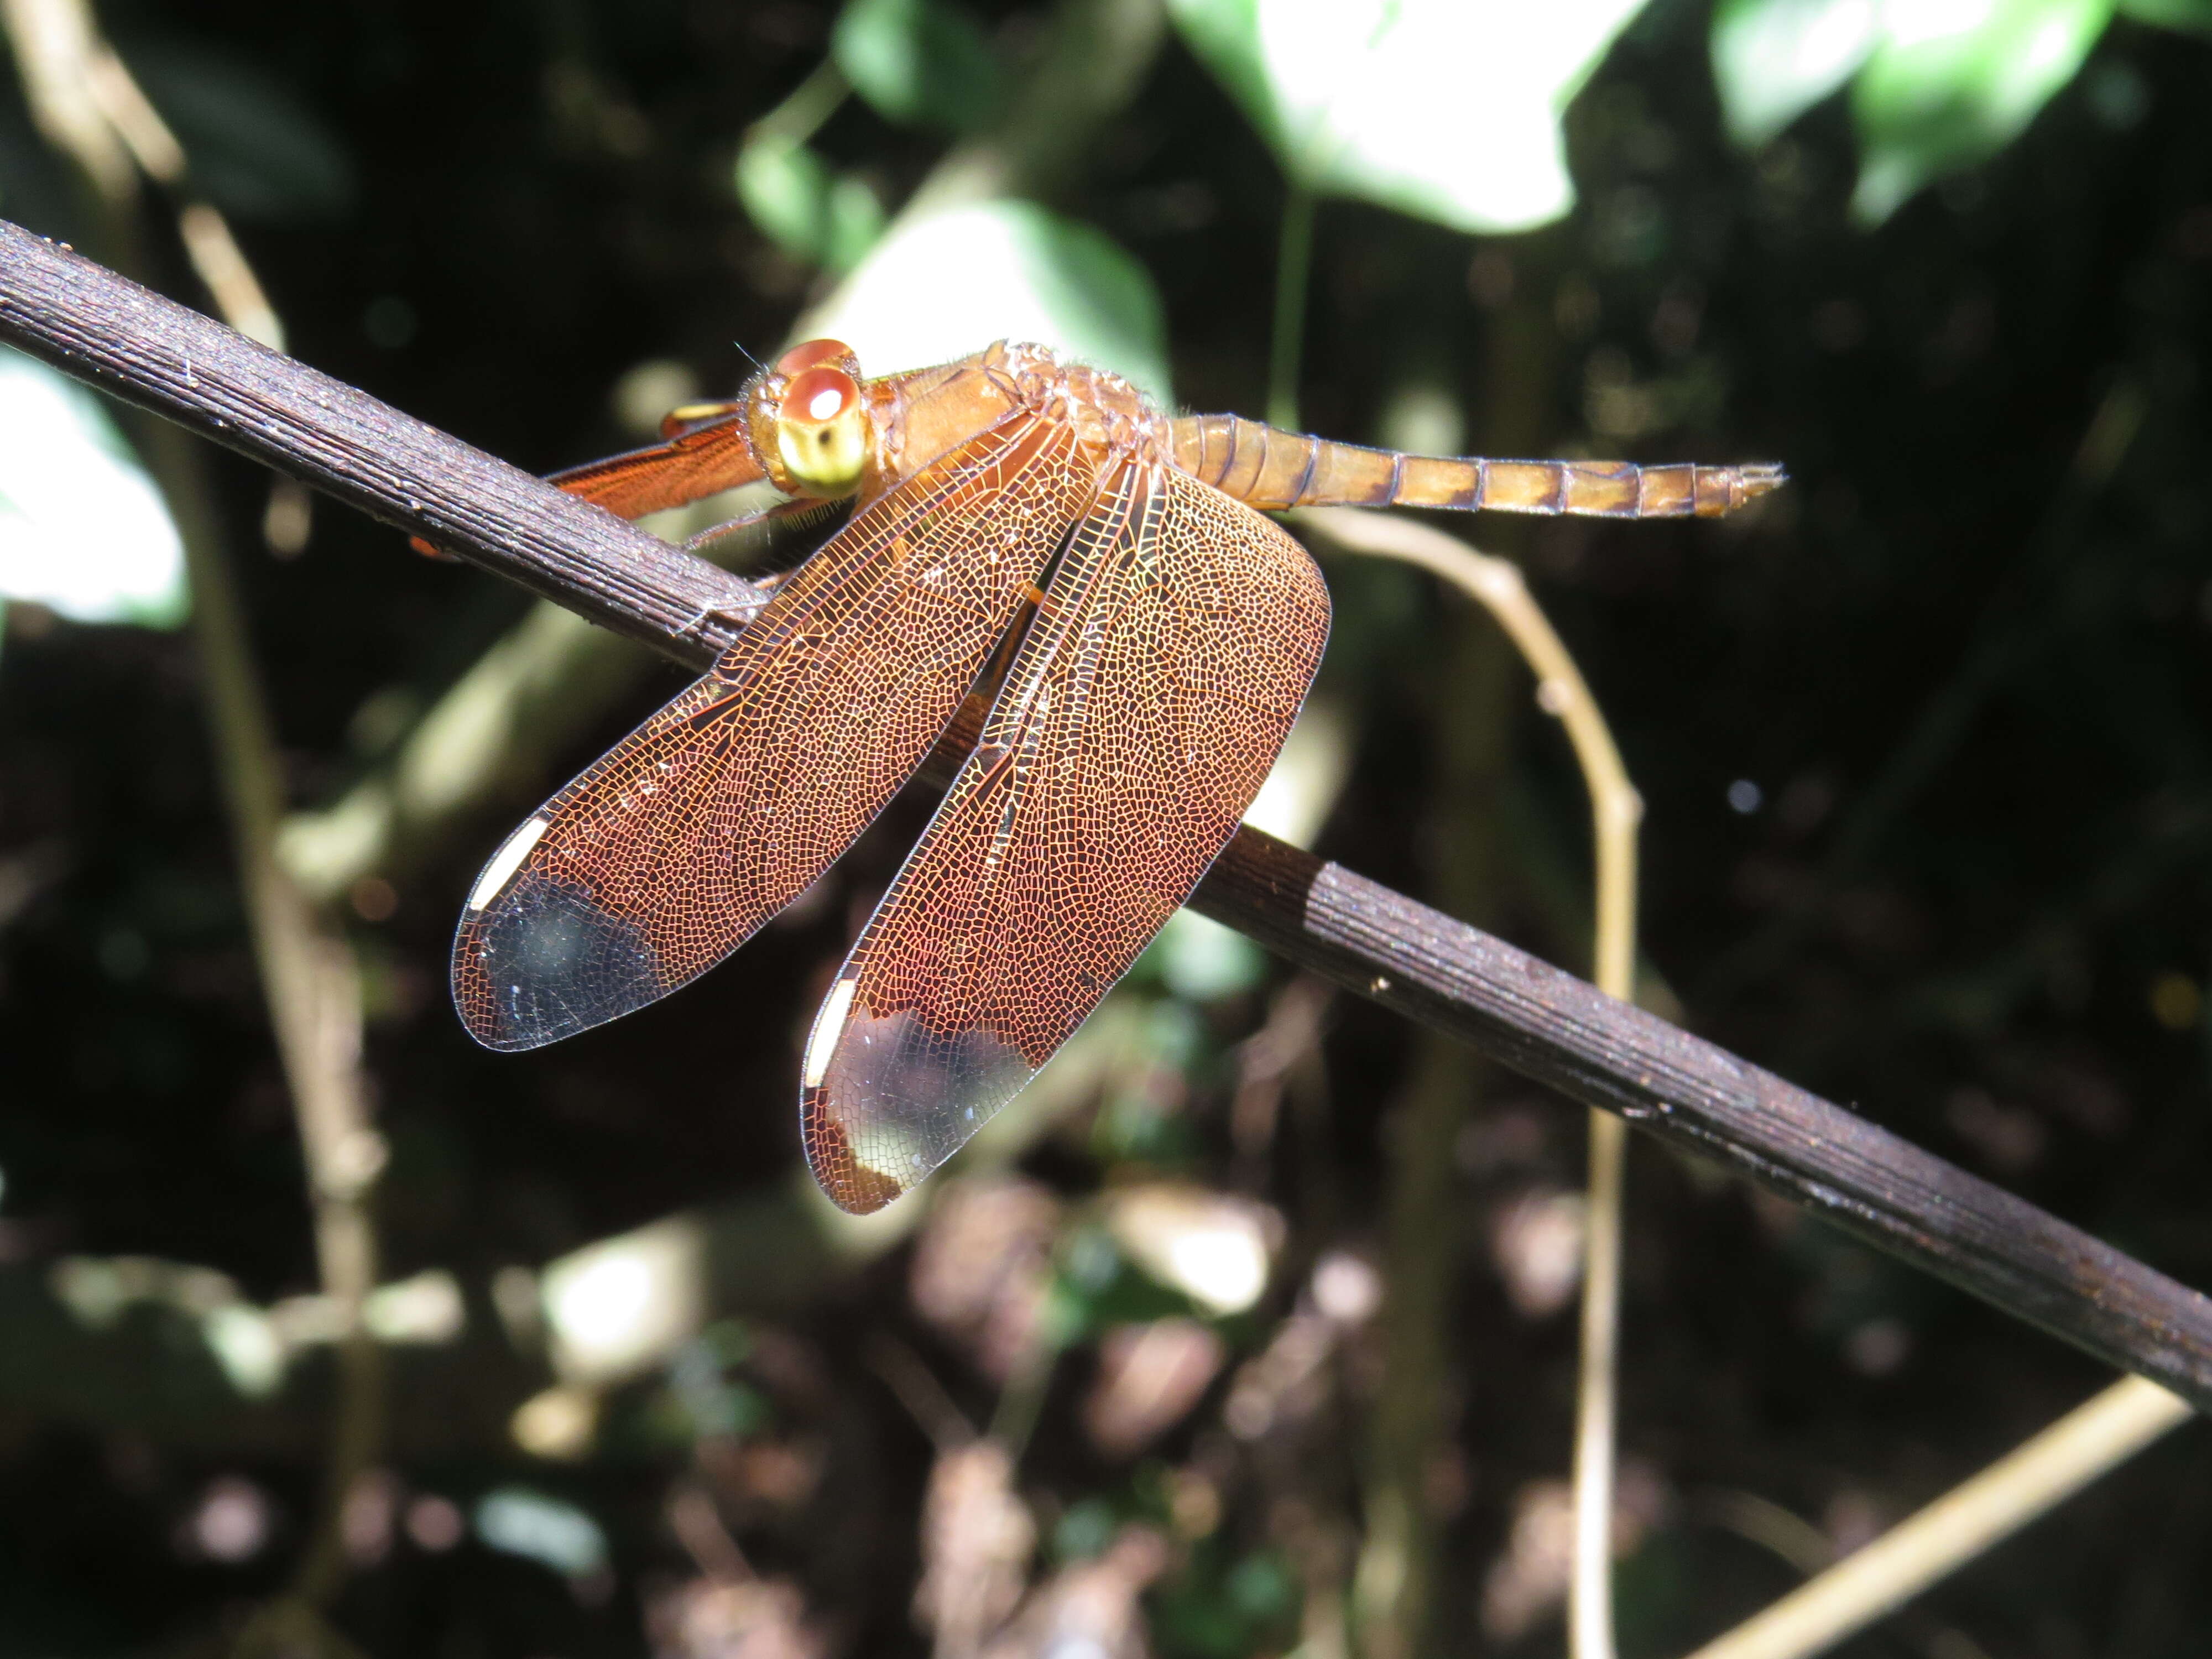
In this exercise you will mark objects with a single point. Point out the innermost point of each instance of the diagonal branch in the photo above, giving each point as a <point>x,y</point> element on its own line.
<point>1548,1025</point>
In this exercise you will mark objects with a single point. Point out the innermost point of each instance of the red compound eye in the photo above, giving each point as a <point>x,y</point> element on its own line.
<point>819,395</point>
<point>807,353</point>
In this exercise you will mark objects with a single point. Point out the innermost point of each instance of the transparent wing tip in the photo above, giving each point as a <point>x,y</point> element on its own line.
<point>886,1099</point>
<point>543,960</point>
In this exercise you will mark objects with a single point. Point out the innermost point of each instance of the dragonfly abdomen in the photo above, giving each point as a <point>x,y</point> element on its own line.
<point>1270,469</point>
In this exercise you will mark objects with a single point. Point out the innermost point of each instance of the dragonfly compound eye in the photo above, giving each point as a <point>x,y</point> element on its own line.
<point>807,353</point>
<point>822,432</point>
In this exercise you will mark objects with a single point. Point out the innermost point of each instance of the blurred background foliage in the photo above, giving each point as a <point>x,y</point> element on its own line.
<point>1245,1330</point>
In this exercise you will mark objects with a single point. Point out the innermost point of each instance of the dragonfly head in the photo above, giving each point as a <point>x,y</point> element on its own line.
<point>820,421</point>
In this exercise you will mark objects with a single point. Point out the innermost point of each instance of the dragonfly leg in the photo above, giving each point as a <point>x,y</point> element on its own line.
<point>750,532</point>
<point>674,422</point>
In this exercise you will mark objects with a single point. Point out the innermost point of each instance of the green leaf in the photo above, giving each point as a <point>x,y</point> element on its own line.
<point>1951,83</point>
<point>82,529</point>
<point>1775,59</point>
<point>2191,16</point>
<point>919,61</point>
<point>810,211</point>
<point>1446,109</point>
<point>951,283</point>
<point>1201,961</point>
<point>1224,36</point>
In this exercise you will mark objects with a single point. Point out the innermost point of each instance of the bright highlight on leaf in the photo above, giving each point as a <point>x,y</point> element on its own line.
<point>1954,82</point>
<point>1446,109</point>
<point>82,529</point>
<point>1775,59</point>
<point>932,289</point>
<point>1941,85</point>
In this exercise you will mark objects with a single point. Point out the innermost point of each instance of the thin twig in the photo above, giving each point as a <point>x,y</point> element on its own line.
<point>1443,973</point>
<point>1616,810</point>
<point>1958,1526</point>
<point>698,1526</point>
<point>1401,1574</point>
<point>307,971</point>
<point>909,1378</point>
<point>1946,1534</point>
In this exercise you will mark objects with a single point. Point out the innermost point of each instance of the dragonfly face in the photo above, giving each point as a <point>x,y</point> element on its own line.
<point>1153,682</point>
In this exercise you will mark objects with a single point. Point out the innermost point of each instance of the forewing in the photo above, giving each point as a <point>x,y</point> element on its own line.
<point>1139,720</point>
<point>723,807</point>
<point>696,462</point>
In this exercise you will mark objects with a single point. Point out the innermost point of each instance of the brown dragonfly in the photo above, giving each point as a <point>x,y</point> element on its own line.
<point>1020,523</point>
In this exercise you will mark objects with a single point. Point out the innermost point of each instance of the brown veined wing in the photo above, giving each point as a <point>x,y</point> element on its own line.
<point>670,851</point>
<point>1139,719</point>
<point>694,461</point>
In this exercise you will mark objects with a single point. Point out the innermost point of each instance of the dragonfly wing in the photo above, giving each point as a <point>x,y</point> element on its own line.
<point>670,851</point>
<point>698,460</point>
<point>694,463</point>
<point>1139,719</point>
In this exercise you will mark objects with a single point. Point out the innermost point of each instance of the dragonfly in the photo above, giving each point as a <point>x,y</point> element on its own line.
<point>1025,530</point>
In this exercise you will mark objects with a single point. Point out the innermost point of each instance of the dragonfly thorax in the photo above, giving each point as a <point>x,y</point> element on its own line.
<point>1108,414</point>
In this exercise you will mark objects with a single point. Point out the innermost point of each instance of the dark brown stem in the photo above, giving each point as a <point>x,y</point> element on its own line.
<point>147,350</point>
<point>1441,973</point>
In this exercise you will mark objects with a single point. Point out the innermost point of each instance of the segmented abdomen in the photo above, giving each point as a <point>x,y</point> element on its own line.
<point>1271,470</point>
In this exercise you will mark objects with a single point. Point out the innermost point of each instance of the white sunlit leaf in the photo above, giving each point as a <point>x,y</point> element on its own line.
<point>1775,59</point>
<point>951,283</point>
<point>82,529</point>
<point>1213,1247</point>
<point>1308,776</point>
<point>1925,21</point>
<point>622,1304</point>
<point>1446,109</point>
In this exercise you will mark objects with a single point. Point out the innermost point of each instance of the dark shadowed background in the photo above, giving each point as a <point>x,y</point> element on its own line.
<point>1925,743</point>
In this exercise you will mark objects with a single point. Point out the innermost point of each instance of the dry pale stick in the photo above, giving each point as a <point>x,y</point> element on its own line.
<point>1616,812</point>
<point>1958,1526</point>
